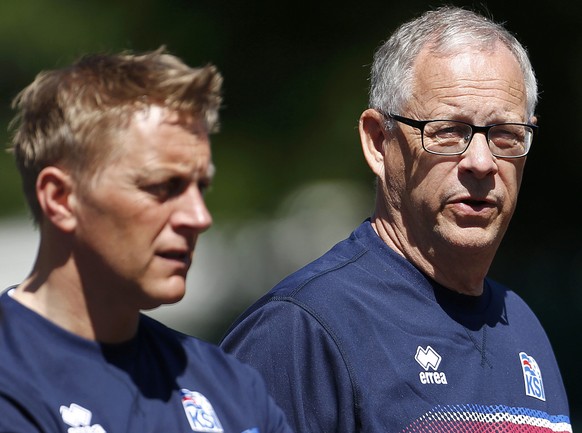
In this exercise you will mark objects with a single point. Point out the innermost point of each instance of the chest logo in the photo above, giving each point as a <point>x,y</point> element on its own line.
<point>429,359</point>
<point>79,419</point>
<point>532,376</point>
<point>200,412</point>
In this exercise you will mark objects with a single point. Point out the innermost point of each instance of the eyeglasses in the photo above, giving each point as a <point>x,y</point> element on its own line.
<point>452,137</point>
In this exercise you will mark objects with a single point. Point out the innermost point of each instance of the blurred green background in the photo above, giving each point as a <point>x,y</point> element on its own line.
<point>291,179</point>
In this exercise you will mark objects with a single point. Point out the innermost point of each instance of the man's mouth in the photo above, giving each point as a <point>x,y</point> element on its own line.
<point>476,205</point>
<point>475,202</point>
<point>180,256</point>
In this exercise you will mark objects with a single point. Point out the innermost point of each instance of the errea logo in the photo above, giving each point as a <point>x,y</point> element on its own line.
<point>429,359</point>
<point>79,419</point>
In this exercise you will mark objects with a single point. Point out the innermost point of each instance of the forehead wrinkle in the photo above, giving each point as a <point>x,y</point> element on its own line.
<point>481,77</point>
<point>456,94</point>
<point>462,85</point>
<point>182,158</point>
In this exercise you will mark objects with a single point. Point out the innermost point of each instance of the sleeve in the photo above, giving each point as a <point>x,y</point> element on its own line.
<point>301,363</point>
<point>274,418</point>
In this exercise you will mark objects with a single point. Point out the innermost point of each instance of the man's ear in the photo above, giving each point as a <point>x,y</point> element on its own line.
<point>54,191</point>
<point>373,136</point>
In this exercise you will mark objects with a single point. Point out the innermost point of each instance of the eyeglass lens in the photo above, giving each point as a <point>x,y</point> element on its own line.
<point>451,137</point>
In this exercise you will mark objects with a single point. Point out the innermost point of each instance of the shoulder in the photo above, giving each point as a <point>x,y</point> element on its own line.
<point>511,300</point>
<point>342,267</point>
<point>516,312</point>
<point>359,267</point>
<point>350,277</point>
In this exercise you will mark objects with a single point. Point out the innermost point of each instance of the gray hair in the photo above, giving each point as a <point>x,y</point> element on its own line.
<point>446,29</point>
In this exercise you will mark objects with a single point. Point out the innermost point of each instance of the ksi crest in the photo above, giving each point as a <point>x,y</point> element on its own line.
<point>532,376</point>
<point>200,412</point>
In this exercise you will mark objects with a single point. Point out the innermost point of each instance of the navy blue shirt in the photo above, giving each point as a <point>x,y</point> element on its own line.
<point>361,341</point>
<point>160,381</point>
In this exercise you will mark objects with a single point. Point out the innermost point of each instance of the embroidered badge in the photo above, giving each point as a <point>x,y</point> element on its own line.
<point>532,376</point>
<point>79,419</point>
<point>200,412</point>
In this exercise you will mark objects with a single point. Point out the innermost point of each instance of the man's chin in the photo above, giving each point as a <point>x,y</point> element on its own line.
<point>473,240</point>
<point>169,292</point>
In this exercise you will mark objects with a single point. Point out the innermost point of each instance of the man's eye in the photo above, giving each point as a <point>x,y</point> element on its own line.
<point>203,186</point>
<point>168,189</point>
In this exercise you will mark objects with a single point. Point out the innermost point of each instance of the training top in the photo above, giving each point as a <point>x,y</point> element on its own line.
<point>361,341</point>
<point>53,381</point>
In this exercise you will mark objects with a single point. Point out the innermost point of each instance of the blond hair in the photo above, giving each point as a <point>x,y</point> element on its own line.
<point>68,117</point>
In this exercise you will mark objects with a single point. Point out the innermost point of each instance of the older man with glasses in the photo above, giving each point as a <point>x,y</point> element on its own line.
<point>398,328</point>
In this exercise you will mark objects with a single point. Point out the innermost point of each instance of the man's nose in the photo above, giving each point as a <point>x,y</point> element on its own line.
<point>478,158</point>
<point>191,210</point>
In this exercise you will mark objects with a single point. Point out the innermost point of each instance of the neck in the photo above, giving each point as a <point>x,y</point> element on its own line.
<point>458,269</point>
<point>55,290</point>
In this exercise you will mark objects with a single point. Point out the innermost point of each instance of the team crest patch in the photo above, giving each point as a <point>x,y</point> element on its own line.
<point>200,412</point>
<point>532,376</point>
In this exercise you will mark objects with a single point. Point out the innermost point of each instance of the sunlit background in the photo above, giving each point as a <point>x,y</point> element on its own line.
<point>291,180</point>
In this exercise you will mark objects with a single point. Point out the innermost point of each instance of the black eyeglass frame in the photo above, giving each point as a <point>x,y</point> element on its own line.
<point>420,125</point>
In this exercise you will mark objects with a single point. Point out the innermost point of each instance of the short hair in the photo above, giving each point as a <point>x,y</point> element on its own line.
<point>446,30</point>
<point>69,116</point>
